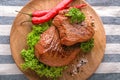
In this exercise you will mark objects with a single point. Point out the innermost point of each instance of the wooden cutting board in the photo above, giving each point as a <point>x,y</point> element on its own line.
<point>19,33</point>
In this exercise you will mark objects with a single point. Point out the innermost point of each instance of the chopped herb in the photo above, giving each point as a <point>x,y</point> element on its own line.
<point>76,16</point>
<point>31,62</point>
<point>87,46</point>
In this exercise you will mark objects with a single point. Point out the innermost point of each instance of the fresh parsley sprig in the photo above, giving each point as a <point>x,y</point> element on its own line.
<point>87,46</point>
<point>76,16</point>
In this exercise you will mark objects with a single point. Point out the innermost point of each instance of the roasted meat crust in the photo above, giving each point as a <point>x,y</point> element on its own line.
<point>72,33</point>
<point>50,51</point>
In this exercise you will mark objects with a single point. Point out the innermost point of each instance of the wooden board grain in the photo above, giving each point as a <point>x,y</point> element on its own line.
<point>19,33</point>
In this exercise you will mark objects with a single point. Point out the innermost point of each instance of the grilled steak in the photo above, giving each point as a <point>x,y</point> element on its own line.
<point>71,34</point>
<point>50,51</point>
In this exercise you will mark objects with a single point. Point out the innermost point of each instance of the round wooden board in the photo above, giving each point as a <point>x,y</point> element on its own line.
<point>19,33</point>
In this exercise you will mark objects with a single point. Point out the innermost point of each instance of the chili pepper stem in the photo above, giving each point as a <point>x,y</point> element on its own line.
<point>23,13</point>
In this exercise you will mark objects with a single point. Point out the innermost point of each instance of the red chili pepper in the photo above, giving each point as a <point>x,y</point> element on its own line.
<point>52,13</point>
<point>40,13</point>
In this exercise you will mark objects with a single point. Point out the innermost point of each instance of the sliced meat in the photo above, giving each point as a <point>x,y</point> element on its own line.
<point>50,51</point>
<point>71,34</point>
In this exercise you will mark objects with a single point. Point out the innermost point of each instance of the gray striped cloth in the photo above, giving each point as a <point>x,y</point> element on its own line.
<point>109,11</point>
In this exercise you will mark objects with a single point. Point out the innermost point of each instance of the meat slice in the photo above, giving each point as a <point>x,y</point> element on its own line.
<point>50,51</point>
<point>71,34</point>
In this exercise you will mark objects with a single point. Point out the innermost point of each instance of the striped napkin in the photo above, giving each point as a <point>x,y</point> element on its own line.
<point>109,11</point>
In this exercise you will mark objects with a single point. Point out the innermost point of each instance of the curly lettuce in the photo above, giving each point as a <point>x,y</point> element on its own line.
<point>31,62</point>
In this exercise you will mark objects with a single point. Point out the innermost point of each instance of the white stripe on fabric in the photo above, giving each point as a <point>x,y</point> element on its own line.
<point>5,49</point>
<point>113,11</point>
<point>109,29</point>
<point>5,30</point>
<point>112,29</point>
<point>9,69</point>
<point>9,10</point>
<point>112,49</point>
<point>109,68</point>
